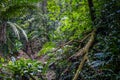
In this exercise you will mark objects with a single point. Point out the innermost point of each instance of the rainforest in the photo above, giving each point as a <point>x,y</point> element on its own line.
<point>59,39</point>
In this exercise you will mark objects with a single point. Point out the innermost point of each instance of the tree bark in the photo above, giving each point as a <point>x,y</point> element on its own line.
<point>92,10</point>
<point>3,33</point>
<point>84,50</point>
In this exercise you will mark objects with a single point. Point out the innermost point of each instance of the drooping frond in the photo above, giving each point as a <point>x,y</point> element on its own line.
<point>17,29</point>
<point>23,32</point>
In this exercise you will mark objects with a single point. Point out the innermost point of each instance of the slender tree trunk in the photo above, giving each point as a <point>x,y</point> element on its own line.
<point>3,38</point>
<point>3,33</point>
<point>92,10</point>
<point>90,42</point>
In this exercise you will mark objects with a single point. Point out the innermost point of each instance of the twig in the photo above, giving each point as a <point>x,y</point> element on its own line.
<point>62,46</point>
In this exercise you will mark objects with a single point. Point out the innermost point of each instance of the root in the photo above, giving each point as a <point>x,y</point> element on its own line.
<point>84,51</point>
<point>80,67</point>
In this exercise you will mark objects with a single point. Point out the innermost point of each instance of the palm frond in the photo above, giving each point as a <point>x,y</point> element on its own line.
<point>23,32</point>
<point>14,29</point>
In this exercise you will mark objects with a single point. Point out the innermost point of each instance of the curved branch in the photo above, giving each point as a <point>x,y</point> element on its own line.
<point>84,52</point>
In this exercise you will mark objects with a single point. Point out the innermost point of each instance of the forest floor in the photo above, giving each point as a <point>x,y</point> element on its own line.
<point>50,75</point>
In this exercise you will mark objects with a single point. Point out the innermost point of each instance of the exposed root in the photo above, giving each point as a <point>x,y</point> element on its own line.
<point>80,67</point>
<point>86,47</point>
<point>84,51</point>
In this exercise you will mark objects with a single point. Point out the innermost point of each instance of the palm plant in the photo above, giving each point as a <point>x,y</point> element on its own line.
<point>9,10</point>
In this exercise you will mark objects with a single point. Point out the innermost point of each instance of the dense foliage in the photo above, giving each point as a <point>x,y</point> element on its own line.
<point>60,39</point>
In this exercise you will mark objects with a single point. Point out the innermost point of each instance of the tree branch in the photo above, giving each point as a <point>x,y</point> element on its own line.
<point>84,52</point>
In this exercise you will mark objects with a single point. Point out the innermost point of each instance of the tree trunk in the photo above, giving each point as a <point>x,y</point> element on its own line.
<point>3,38</point>
<point>3,33</point>
<point>92,10</point>
<point>85,49</point>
